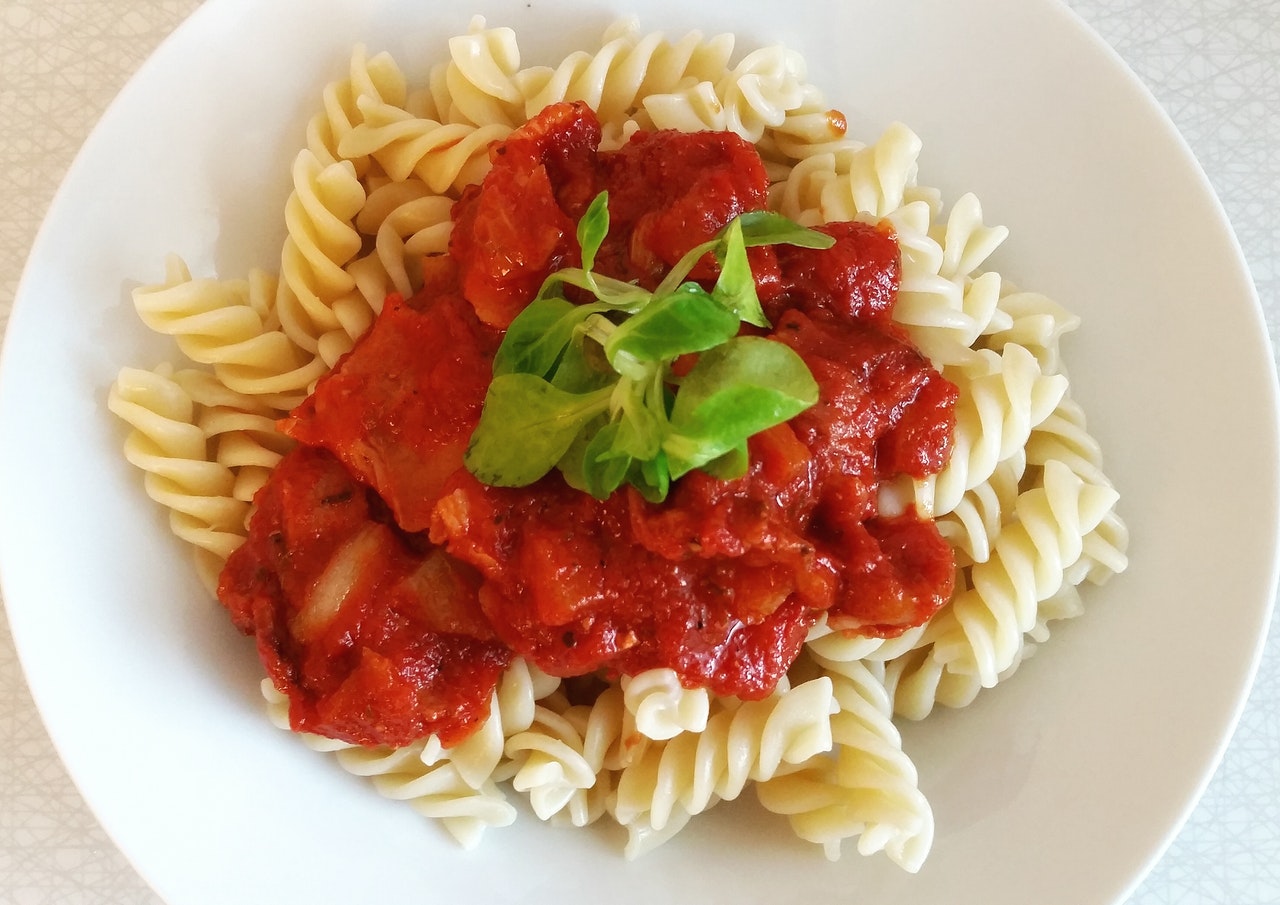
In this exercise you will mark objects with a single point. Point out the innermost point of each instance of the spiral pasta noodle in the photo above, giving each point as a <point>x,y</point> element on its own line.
<point>547,762</point>
<point>755,95</point>
<point>240,430</point>
<point>172,451</point>
<point>1002,398</point>
<point>976,520</point>
<point>376,77</point>
<point>918,683</point>
<point>1035,322</point>
<point>869,789</point>
<point>476,86</point>
<point>231,326</point>
<point>512,710</point>
<point>629,68</point>
<point>660,707</point>
<point>457,786</point>
<point>608,745</point>
<point>316,309</point>
<point>445,156</point>
<point>407,222</point>
<point>436,787</point>
<point>947,307</point>
<point>1027,567</point>
<point>743,741</point>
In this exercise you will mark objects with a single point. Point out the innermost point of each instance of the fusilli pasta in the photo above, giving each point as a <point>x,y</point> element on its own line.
<point>869,789</point>
<point>742,741</point>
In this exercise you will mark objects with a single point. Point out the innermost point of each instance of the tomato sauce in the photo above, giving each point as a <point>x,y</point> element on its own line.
<point>388,587</point>
<point>375,635</point>
<point>400,413</point>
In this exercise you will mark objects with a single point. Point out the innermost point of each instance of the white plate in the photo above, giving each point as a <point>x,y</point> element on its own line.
<point>1063,785</point>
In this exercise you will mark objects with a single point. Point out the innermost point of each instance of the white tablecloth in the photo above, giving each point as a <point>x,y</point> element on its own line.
<point>1213,64</point>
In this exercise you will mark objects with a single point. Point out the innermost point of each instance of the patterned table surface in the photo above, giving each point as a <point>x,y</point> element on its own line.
<point>1213,64</point>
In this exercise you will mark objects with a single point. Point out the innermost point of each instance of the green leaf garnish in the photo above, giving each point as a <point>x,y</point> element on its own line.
<point>592,229</point>
<point>736,390</point>
<point>768,228</point>
<point>730,465</point>
<point>538,337</point>
<point>525,423</point>
<point>736,287</point>
<point>604,466</point>
<point>688,320</point>
<point>590,388</point>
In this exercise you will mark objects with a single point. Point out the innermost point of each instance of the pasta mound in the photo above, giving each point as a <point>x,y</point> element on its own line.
<point>1024,502</point>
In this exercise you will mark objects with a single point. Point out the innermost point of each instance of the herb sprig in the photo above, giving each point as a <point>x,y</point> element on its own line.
<point>590,388</point>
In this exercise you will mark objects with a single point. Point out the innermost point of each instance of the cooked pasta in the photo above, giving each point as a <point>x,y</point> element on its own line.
<point>512,710</point>
<point>660,707</point>
<point>629,68</point>
<point>230,325</point>
<point>182,473</point>
<point>548,763</point>
<point>1002,398</point>
<point>407,221</point>
<point>742,741</point>
<point>1028,566</point>
<point>976,520</point>
<point>316,310</point>
<point>438,790</point>
<point>456,786</point>
<point>376,77</point>
<point>869,790</point>
<point>240,430</point>
<point>445,156</point>
<point>476,86</point>
<point>607,746</point>
<point>1036,323</point>
<point>1025,502</point>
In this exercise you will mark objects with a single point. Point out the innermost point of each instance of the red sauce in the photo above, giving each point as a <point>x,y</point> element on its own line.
<point>505,251</point>
<point>720,582</point>
<point>717,583</point>
<point>399,413</point>
<point>375,635</point>
<point>670,191</point>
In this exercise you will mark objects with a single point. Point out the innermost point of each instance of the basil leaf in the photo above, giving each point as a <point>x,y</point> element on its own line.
<point>768,228</point>
<point>525,427</point>
<point>736,287</point>
<point>735,390</point>
<point>688,320</point>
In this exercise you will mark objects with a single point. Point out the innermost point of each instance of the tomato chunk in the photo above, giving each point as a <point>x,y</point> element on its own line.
<point>897,573</point>
<point>512,233</point>
<point>399,409</point>
<point>670,191</point>
<point>855,279</point>
<point>882,410</point>
<point>376,637</point>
